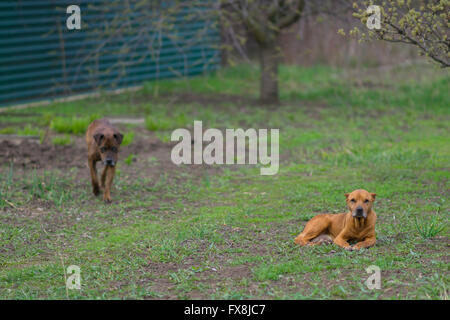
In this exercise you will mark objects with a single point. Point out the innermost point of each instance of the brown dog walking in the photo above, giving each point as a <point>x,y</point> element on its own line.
<point>103,141</point>
<point>357,224</point>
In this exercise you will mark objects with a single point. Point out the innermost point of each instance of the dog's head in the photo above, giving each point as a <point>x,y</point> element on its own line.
<point>360,202</point>
<point>108,142</point>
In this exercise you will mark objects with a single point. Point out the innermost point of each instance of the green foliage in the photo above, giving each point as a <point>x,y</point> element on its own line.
<point>62,140</point>
<point>8,130</point>
<point>163,122</point>
<point>153,123</point>
<point>421,24</point>
<point>29,130</point>
<point>128,160</point>
<point>429,228</point>
<point>127,138</point>
<point>6,184</point>
<point>75,125</point>
<point>45,186</point>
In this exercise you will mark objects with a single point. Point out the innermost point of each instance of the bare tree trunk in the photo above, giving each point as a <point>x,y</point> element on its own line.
<point>269,73</point>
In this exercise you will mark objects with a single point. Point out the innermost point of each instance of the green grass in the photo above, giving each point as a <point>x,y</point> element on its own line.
<point>29,130</point>
<point>127,138</point>
<point>227,232</point>
<point>8,130</point>
<point>163,122</point>
<point>62,140</point>
<point>75,125</point>
<point>156,124</point>
<point>429,229</point>
<point>128,160</point>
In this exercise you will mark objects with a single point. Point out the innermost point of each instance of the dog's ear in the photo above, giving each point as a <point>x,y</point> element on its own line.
<point>373,196</point>
<point>98,137</point>
<point>346,195</point>
<point>119,137</point>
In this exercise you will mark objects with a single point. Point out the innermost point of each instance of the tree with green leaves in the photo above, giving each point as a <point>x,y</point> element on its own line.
<point>421,23</point>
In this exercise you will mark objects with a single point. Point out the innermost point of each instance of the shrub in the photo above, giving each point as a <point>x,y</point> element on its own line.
<point>28,130</point>
<point>127,138</point>
<point>157,123</point>
<point>75,125</point>
<point>8,130</point>
<point>62,140</point>
<point>163,122</point>
<point>429,228</point>
<point>128,160</point>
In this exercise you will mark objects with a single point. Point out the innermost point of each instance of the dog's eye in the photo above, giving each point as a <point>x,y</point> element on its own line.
<point>366,201</point>
<point>102,149</point>
<point>353,200</point>
<point>114,149</point>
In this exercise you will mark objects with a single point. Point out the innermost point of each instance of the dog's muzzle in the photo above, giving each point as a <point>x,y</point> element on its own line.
<point>110,162</point>
<point>359,213</point>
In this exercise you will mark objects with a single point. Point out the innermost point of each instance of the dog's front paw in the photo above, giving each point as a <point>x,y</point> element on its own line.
<point>107,199</point>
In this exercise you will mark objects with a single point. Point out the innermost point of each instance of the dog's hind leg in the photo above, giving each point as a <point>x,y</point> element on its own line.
<point>322,239</point>
<point>94,178</point>
<point>314,228</point>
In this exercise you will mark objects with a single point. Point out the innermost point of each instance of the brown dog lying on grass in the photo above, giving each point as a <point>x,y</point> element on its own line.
<point>103,141</point>
<point>357,224</point>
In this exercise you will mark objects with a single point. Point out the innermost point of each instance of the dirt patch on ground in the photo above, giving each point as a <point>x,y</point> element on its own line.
<point>30,154</point>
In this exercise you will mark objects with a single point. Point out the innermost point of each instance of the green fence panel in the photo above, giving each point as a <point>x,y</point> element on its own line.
<point>40,58</point>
